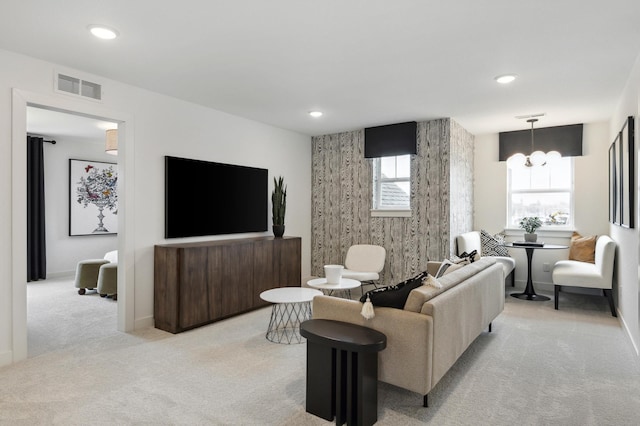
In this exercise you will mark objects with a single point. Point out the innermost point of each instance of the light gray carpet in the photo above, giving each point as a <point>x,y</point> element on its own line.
<point>539,366</point>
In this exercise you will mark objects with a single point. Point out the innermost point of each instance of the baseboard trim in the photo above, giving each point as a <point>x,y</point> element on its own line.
<point>6,358</point>
<point>141,323</point>
<point>628,331</point>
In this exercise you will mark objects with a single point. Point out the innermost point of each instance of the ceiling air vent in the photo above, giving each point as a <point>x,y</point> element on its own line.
<point>78,87</point>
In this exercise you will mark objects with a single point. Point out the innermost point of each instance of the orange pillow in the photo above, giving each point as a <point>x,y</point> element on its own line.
<point>583,248</point>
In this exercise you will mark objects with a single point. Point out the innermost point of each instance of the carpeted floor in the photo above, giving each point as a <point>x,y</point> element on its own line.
<point>539,366</point>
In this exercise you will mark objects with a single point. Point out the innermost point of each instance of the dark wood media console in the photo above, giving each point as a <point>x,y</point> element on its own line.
<point>199,283</point>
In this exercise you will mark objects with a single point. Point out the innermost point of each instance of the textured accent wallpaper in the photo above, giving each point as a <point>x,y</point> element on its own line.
<point>441,171</point>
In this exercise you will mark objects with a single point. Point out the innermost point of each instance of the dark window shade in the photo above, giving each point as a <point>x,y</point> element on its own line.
<point>567,140</point>
<point>390,140</point>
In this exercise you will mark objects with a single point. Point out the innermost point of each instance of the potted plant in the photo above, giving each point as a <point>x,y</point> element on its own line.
<point>530,224</point>
<point>279,206</point>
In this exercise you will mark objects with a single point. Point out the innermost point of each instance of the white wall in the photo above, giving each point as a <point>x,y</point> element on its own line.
<point>163,126</point>
<point>63,251</point>
<point>627,261</point>
<point>591,198</point>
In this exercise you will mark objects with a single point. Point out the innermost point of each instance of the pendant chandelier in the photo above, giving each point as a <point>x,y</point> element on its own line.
<point>535,158</point>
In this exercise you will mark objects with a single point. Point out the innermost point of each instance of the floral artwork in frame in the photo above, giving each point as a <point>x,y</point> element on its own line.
<point>93,198</point>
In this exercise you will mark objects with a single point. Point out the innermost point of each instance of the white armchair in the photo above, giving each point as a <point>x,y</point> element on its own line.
<point>470,241</point>
<point>590,275</point>
<point>364,262</point>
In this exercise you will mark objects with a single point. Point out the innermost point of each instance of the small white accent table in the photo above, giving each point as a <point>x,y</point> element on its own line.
<point>345,284</point>
<point>291,306</point>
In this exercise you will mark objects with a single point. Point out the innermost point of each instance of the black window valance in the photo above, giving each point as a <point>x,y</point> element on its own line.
<point>390,140</point>
<point>567,140</point>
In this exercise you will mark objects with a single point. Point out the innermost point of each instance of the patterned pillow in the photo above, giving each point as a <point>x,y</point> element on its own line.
<point>471,257</point>
<point>394,296</point>
<point>449,265</point>
<point>491,245</point>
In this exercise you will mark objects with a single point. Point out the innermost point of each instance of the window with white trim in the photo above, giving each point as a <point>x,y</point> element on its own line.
<point>392,183</point>
<point>543,191</point>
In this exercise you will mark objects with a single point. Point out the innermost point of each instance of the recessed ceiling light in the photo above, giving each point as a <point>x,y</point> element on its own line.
<point>315,114</point>
<point>103,32</point>
<point>505,79</point>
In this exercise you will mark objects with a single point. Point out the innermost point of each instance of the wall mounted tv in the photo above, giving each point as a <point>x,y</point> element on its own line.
<point>206,198</point>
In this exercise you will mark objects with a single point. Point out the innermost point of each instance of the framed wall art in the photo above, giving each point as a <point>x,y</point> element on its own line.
<point>93,198</point>
<point>613,185</point>
<point>627,175</point>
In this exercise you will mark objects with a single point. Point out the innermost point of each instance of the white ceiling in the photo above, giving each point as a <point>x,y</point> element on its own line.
<point>53,124</point>
<point>362,62</point>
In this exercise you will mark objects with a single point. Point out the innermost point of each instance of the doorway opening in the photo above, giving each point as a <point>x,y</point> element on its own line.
<point>21,101</point>
<point>57,315</point>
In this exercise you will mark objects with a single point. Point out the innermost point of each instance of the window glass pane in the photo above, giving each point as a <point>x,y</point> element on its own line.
<point>388,167</point>
<point>404,166</point>
<point>543,191</point>
<point>394,194</point>
<point>395,167</point>
<point>392,183</point>
<point>554,208</point>
<point>557,175</point>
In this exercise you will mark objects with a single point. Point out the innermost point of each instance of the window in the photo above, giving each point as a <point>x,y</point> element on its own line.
<point>392,183</point>
<point>543,191</point>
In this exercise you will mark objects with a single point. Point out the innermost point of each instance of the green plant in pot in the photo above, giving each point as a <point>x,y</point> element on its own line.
<point>279,206</point>
<point>530,224</point>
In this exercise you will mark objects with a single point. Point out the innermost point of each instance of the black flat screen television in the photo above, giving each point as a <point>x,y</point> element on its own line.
<point>207,198</point>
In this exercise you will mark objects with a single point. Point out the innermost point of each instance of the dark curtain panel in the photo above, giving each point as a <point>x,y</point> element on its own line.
<point>567,140</point>
<point>391,140</point>
<point>36,244</point>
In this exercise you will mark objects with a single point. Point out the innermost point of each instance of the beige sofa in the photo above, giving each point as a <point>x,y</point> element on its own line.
<point>435,327</point>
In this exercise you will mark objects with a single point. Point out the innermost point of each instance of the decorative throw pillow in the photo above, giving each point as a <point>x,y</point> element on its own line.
<point>431,281</point>
<point>492,245</point>
<point>394,296</point>
<point>582,248</point>
<point>447,266</point>
<point>472,257</point>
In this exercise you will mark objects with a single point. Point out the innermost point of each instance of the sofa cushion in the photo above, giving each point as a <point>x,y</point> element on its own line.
<point>394,296</point>
<point>420,295</point>
<point>583,249</point>
<point>492,245</point>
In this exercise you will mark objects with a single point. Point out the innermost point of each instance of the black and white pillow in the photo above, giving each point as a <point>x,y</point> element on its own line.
<point>492,245</point>
<point>471,257</point>
<point>394,296</point>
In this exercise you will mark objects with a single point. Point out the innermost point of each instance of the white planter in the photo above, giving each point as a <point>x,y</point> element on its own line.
<point>333,273</point>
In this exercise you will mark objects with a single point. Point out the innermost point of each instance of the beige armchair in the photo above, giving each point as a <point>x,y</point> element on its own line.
<point>470,241</point>
<point>364,262</point>
<point>599,275</point>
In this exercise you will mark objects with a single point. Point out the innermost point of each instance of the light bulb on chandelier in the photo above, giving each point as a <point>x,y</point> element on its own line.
<point>536,158</point>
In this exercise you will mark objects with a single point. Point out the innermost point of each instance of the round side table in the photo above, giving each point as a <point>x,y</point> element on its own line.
<point>291,306</point>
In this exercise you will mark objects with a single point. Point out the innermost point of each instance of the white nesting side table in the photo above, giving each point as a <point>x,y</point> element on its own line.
<point>291,306</point>
<point>345,285</point>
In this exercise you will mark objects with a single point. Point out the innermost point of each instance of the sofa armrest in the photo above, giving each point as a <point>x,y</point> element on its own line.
<point>407,359</point>
<point>461,313</point>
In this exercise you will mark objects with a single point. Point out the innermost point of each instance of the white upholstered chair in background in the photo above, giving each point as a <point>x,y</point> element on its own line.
<point>598,275</point>
<point>470,241</point>
<point>364,262</point>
